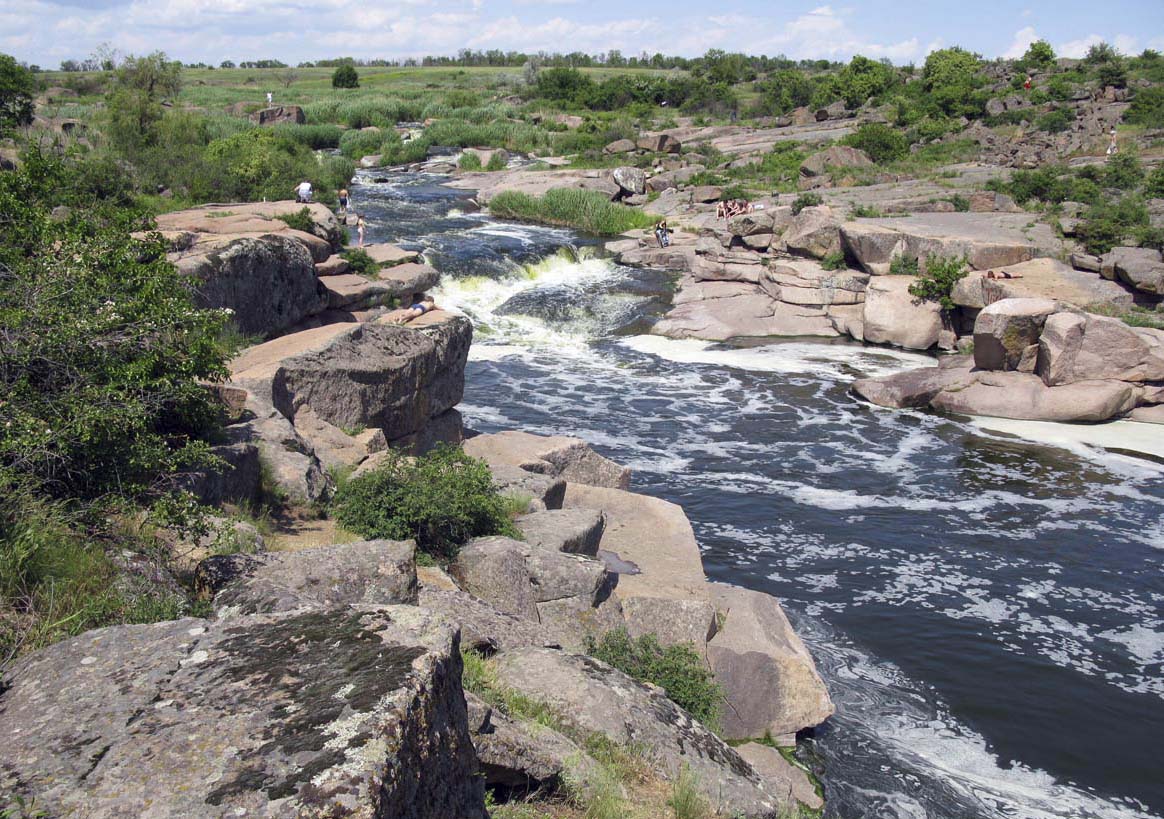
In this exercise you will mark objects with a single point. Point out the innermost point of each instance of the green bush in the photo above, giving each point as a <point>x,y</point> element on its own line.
<point>299,220</point>
<point>938,280</point>
<point>17,87</point>
<point>589,211</point>
<point>1055,121</point>
<point>469,162</point>
<point>806,200</point>
<point>1108,224</point>
<point>677,669</point>
<point>1039,54</point>
<point>901,265</point>
<point>316,137</point>
<point>356,144</point>
<point>833,261</point>
<point>881,142</point>
<point>441,500</point>
<point>1154,185</point>
<point>360,263</point>
<point>1123,171</point>
<point>961,203</point>
<point>1147,107</point>
<point>1113,73</point>
<point>254,165</point>
<point>496,162</point>
<point>345,76</point>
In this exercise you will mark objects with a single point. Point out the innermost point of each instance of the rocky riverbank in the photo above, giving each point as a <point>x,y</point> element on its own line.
<point>328,680</point>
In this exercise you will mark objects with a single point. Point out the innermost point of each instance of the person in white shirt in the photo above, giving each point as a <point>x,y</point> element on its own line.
<point>303,192</point>
<point>270,98</point>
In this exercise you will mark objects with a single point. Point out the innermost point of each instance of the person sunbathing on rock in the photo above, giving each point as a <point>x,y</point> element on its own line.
<point>407,314</point>
<point>1002,274</point>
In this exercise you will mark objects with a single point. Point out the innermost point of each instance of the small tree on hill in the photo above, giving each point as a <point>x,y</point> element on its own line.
<point>345,77</point>
<point>1039,55</point>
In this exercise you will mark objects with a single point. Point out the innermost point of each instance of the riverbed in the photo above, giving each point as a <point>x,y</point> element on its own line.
<point>984,600</point>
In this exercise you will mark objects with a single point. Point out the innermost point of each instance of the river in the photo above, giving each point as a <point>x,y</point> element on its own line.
<point>986,609</point>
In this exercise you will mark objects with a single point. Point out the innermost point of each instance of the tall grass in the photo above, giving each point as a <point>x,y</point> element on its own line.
<point>313,136</point>
<point>588,211</point>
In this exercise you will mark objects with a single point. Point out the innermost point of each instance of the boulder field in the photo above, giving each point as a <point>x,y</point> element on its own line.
<point>329,680</point>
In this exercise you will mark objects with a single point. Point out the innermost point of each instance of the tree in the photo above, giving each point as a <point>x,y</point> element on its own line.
<point>1101,53</point>
<point>345,77</point>
<point>286,76</point>
<point>950,76</point>
<point>1039,55</point>
<point>226,64</point>
<point>134,107</point>
<point>17,86</point>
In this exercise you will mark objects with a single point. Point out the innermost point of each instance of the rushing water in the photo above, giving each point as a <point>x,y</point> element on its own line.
<point>987,611</point>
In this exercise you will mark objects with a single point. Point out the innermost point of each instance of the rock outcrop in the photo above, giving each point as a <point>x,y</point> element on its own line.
<point>570,459</point>
<point>352,711</point>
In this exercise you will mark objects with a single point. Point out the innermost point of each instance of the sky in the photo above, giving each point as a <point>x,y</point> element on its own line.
<point>44,32</point>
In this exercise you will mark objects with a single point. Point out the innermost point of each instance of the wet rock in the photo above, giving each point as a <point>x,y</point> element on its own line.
<point>910,388</point>
<point>353,711</point>
<point>375,572</point>
<point>770,682</point>
<point>1025,397</point>
<point>594,697</point>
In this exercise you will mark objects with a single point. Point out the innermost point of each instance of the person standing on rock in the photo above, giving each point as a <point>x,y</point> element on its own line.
<point>360,231</point>
<point>343,201</point>
<point>1113,147</point>
<point>303,192</point>
<point>662,233</point>
<point>270,98</point>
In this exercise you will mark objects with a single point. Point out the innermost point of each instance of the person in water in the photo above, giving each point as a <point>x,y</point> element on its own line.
<point>343,200</point>
<point>663,233</point>
<point>416,310</point>
<point>359,231</point>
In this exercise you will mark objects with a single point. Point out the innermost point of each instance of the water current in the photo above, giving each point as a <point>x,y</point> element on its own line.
<point>986,607</point>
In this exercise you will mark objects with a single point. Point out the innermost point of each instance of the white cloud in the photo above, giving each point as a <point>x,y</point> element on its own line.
<point>1022,40</point>
<point>1078,48</point>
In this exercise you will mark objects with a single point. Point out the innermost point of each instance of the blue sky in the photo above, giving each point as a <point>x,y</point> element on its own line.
<point>47,31</point>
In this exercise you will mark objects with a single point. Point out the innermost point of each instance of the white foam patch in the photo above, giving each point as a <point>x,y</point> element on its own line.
<point>837,361</point>
<point>1085,439</point>
<point>495,352</point>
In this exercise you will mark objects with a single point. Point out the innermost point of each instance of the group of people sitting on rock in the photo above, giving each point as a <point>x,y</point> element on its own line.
<point>733,207</point>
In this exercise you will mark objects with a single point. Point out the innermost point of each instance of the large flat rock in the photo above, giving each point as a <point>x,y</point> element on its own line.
<point>1040,278</point>
<point>360,375</point>
<point>741,310</point>
<point>1024,396</point>
<point>355,712</point>
<point>251,217</point>
<point>570,459</point>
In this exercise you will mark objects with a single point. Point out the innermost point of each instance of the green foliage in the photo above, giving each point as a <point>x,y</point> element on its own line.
<point>1123,171</point>
<point>1108,224</point>
<point>101,349</point>
<point>589,211</point>
<point>1154,185</point>
<point>938,280</point>
<point>806,200</point>
<point>1039,54</point>
<point>677,669</point>
<point>866,212</point>
<point>360,263</point>
<point>1055,121</point>
<point>441,500</point>
<point>469,161</point>
<point>316,137</point>
<point>1113,73</point>
<point>300,220</point>
<point>257,164</point>
<point>1060,88</point>
<point>134,105</point>
<point>1100,53</point>
<point>356,144</point>
<point>1050,184</point>
<point>881,142</point>
<point>861,79</point>
<point>17,87</point>
<point>901,265</point>
<point>345,76</point>
<point>961,203</point>
<point>1147,107</point>
<point>785,90</point>
<point>950,76</point>
<point>833,261</point>
<point>733,192</point>
<point>496,162</point>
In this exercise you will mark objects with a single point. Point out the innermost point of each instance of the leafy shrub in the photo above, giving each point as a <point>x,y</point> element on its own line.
<point>496,162</point>
<point>356,144</point>
<point>881,142</point>
<point>338,171</point>
<point>360,263</point>
<point>1055,121</point>
<point>1100,53</point>
<point>1039,54</point>
<point>866,212</point>
<point>901,265</point>
<point>961,203</point>
<point>938,280</point>
<point>1147,107</point>
<point>1060,88</point>
<point>299,220</point>
<point>1113,73</point>
<point>677,669</point>
<point>1123,171</point>
<point>1154,185</point>
<point>253,165</point>
<point>17,87</point>
<point>589,211</point>
<point>833,261</point>
<point>1107,224</point>
<point>806,200</point>
<point>441,500</point>
<point>345,76</point>
<point>469,162</point>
